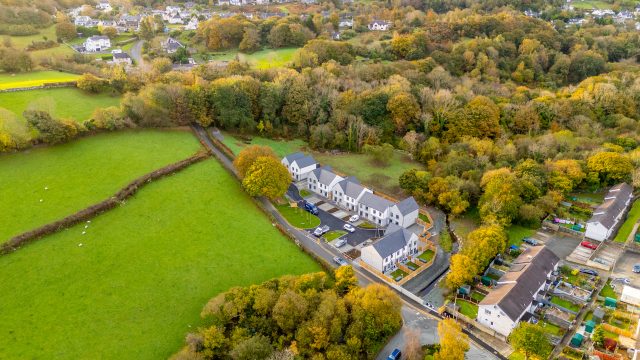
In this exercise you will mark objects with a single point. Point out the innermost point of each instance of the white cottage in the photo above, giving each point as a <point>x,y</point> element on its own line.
<point>405,213</point>
<point>299,165</point>
<point>379,25</point>
<point>516,292</point>
<point>322,180</point>
<point>348,192</point>
<point>375,209</point>
<point>97,43</point>
<point>396,246</point>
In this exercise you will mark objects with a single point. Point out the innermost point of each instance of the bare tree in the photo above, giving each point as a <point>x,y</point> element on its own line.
<point>412,348</point>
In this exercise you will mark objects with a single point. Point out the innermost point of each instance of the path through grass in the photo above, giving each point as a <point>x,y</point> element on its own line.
<point>80,173</point>
<point>137,285</point>
<point>62,102</point>
<point>37,78</point>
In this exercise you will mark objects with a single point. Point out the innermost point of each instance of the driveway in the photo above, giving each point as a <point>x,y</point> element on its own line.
<point>624,266</point>
<point>428,328</point>
<point>354,239</point>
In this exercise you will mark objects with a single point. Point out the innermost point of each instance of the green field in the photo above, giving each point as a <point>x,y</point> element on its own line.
<point>516,233</point>
<point>62,102</point>
<point>590,4</point>
<point>37,78</point>
<point>632,218</point>
<point>262,59</point>
<point>280,147</point>
<point>144,272</point>
<point>80,173</point>
<point>20,42</point>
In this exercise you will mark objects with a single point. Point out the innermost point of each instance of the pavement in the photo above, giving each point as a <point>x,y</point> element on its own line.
<point>326,252</point>
<point>624,266</point>
<point>428,329</point>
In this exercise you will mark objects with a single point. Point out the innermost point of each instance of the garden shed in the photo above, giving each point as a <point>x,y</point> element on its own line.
<point>610,302</point>
<point>589,326</point>
<point>598,315</point>
<point>576,340</point>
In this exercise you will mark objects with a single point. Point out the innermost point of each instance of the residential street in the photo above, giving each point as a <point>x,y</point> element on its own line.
<point>327,253</point>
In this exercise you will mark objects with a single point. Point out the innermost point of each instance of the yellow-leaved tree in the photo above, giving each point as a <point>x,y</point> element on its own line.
<point>249,155</point>
<point>453,342</point>
<point>267,177</point>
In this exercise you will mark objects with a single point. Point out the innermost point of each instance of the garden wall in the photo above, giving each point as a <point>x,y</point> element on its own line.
<point>52,85</point>
<point>93,210</point>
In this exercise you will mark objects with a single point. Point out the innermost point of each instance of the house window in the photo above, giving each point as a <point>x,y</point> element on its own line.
<point>487,312</point>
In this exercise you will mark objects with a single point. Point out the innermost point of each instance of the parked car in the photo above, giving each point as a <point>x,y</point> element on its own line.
<point>530,241</point>
<point>636,268</point>
<point>340,261</point>
<point>368,242</point>
<point>340,243</point>
<point>396,354</point>
<point>311,208</point>
<point>354,218</point>
<point>589,272</point>
<point>321,230</point>
<point>589,245</point>
<point>349,228</point>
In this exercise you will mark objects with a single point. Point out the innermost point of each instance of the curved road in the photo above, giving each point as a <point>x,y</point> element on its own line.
<point>327,253</point>
<point>136,52</point>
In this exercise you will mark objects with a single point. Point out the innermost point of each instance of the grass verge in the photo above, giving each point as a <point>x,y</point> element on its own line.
<point>298,217</point>
<point>334,234</point>
<point>632,219</point>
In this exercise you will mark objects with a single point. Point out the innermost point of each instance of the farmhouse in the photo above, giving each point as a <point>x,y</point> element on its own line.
<point>299,165</point>
<point>405,213</point>
<point>396,246</point>
<point>608,215</point>
<point>322,180</point>
<point>375,209</point>
<point>379,25</point>
<point>516,291</point>
<point>97,43</point>
<point>348,192</point>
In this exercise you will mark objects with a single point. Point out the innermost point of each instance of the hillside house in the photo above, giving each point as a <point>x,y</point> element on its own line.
<point>97,43</point>
<point>379,25</point>
<point>395,246</point>
<point>610,213</point>
<point>171,45</point>
<point>516,291</point>
<point>122,58</point>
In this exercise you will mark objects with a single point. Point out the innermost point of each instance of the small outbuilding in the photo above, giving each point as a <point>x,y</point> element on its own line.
<point>598,315</point>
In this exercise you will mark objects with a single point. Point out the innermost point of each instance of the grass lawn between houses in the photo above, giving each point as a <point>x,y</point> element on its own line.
<point>298,217</point>
<point>334,234</point>
<point>62,102</point>
<point>565,304</point>
<point>607,291</point>
<point>80,173</point>
<point>427,255</point>
<point>398,273</point>
<point>37,78</point>
<point>627,227</point>
<point>146,269</point>
<point>467,308</point>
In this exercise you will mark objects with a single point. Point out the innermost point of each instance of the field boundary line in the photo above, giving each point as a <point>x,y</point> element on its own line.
<point>92,211</point>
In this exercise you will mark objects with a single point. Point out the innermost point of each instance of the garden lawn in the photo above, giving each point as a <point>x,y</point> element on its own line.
<point>334,234</point>
<point>552,329</point>
<point>516,233</point>
<point>477,296</point>
<point>146,269</point>
<point>427,255</point>
<point>467,308</point>
<point>565,304</point>
<point>79,174</point>
<point>397,273</point>
<point>62,102</point>
<point>298,217</point>
<point>37,78</point>
<point>607,291</point>
<point>424,218</point>
<point>627,227</point>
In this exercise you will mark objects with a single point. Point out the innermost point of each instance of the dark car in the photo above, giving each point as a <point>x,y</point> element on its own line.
<point>311,208</point>
<point>530,241</point>
<point>636,268</point>
<point>395,355</point>
<point>589,272</point>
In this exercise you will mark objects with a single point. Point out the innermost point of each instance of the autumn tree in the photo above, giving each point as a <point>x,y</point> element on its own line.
<point>345,279</point>
<point>479,118</point>
<point>147,28</point>
<point>404,111</point>
<point>109,32</point>
<point>462,269</point>
<point>66,30</point>
<point>610,167</point>
<point>91,83</point>
<point>51,130</point>
<point>248,156</point>
<point>530,340</point>
<point>267,177</point>
<point>501,199</point>
<point>453,342</point>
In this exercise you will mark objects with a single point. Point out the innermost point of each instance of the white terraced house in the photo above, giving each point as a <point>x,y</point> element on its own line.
<point>322,180</point>
<point>405,213</point>
<point>299,165</point>
<point>608,215</point>
<point>375,209</point>
<point>348,192</point>
<point>396,246</point>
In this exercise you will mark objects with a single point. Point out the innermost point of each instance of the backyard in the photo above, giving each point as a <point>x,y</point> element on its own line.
<point>607,291</point>
<point>516,233</point>
<point>72,176</point>
<point>467,308</point>
<point>427,255</point>
<point>627,227</point>
<point>37,78</point>
<point>298,217</point>
<point>565,304</point>
<point>136,286</point>
<point>62,102</point>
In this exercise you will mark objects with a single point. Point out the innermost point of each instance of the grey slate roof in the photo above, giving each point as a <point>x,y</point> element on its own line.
<point>375,201</point>
<point>392,242</point>
<point>517,288</point>
<point>122,55</point>
<point>293,156</point>
<point>351,187</point>
<point>407,206</point>
<point>324,175</point>
<point>304,161</point>
<point>98,37</point>
<point>613,205</point>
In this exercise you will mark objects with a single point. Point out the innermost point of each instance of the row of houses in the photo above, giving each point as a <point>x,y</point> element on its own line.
<point>349,194</point>
<point>607,217</point>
